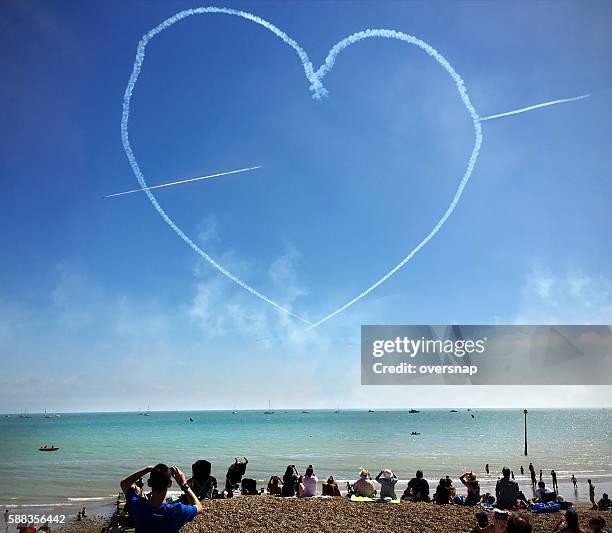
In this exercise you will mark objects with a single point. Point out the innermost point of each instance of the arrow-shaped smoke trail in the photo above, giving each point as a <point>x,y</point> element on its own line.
<point>536,106</point>
<point>182,181</point>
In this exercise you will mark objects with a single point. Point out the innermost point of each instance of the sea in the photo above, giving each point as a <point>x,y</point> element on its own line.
<point>96,450</point>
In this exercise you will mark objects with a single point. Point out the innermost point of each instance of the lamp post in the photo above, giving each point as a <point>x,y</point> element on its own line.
<point>525,413</point>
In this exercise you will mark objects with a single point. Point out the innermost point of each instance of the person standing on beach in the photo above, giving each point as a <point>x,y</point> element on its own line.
<point>522,470</point>
<point>506,491</point>
<point>541,475</point>
<point>555,485</point>
<point>575,482</point>
<point>7,513</point>
<point>512,474</point>
<point>151,513</point>
<point>592,493</point>
<point>487,468</point>
<point>533,479</point>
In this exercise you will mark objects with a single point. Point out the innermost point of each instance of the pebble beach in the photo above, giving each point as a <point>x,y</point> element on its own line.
<point>259,514</point>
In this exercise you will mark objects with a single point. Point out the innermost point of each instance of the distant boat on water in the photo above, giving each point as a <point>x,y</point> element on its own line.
<point>147,412</point>
<point>269,411</point>
<point>46,448</point>
<point>370,411</point>
<point>305,412</point>
<point>414,411</point>
<point>453,410</point>
<point>338,410</point>
<point>25,414</point>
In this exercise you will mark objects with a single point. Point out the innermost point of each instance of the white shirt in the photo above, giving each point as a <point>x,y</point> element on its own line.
<point>310,485</point>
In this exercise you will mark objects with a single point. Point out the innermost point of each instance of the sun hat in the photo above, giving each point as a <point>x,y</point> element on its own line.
<point>387,473</point>
<point>364,472</point>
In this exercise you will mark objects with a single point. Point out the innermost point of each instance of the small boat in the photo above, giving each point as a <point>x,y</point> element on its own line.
<point>453,410</point>
<point>269,411</point>
<point>414,411</point>
<point>305,412</point>
<point>415,433</point>
<point>46,448</point>
<point>338,410</point>
<point>370,411</point>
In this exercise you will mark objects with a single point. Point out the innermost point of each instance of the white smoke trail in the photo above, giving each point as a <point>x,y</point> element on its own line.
<point>318,91</point>
<point>536,106</point>
<point>190,180</point>
<point>391,34</point>
<point>140,55</point>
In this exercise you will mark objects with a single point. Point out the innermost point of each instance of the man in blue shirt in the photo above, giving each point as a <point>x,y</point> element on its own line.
<point>150,511</point>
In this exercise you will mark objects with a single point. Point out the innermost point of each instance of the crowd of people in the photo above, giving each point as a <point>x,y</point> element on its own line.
<point>153,512</point>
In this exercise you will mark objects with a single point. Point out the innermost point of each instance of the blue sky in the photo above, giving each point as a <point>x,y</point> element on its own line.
<point>100,302</point>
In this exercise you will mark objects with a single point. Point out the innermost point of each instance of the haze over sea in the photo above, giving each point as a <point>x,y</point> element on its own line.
<point>98,449</point>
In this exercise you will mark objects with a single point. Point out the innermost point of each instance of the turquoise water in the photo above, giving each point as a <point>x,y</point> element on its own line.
<point>97,450</point>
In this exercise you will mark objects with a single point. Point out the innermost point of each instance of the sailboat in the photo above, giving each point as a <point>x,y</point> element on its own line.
<point>234,410</point>
<point>338,410</point>
<point>25,414</point>
<point>47,415</point>
<point>148,413</point>
<point>269,411</point>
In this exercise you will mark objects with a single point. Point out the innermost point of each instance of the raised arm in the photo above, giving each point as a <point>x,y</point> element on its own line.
<point>181,481</point>
<point>462,478</point>
<point>132,478</point>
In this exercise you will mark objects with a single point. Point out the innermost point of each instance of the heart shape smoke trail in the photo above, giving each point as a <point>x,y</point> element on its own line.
<point>318,91</point>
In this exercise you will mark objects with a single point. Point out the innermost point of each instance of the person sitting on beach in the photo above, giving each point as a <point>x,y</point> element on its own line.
<point>487,500</point>
<point>569,524</point>
<point>442,496</point>
<point>517,523</point>
<point>544,494</point>
<point>290,482</point>
<point>483,523</point>
<point>364,486</point>
<point>330,488</point>
<point>473,488</point>
<point>506,491</point>
<point>309,481</point>
<point>387,480</point>
<point>597,524</point>
<point>151,513</point>
<point>274,486</point>
<point>604,504</point>
<point>418,488</point>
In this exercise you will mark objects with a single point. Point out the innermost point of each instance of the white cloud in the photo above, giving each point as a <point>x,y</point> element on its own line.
<point>571,297</point>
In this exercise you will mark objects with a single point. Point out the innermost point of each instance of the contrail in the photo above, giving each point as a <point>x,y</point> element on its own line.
<point>537,106</point>
<point>182,181</point>
<point>318,92</point>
